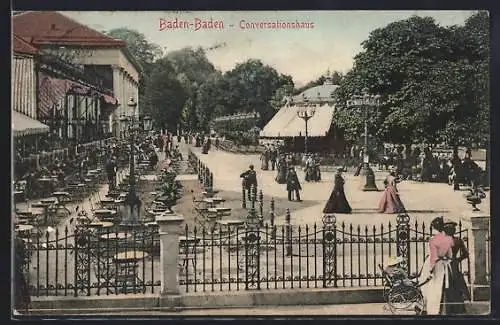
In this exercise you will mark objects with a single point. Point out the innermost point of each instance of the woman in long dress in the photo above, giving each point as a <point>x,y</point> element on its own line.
<point>436,271</point>
<point>337,203</point>
<point>282,170</point>
<point>264,160</point>
<point>457,292</point>
<point>390,201</point>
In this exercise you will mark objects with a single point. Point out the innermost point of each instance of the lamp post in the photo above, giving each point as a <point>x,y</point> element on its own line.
<point>132,203</point>
<point>305,113</point>
<point>366,101</point>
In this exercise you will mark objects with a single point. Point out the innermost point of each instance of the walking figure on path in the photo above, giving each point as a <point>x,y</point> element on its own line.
<point>337,203</point>
<point>282,170</point>
<point>273,156</point>
<point>264,159</point>
<point>292,184</point>
<point>390,201</point>
<point>249,181</point>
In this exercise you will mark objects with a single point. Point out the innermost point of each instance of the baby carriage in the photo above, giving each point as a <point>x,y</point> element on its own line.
<point>403,297</point>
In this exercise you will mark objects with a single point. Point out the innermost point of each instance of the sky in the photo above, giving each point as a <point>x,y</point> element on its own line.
<point>326,40</point>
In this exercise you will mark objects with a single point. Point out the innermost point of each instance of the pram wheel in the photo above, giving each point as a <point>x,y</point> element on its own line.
<point>403,299</point>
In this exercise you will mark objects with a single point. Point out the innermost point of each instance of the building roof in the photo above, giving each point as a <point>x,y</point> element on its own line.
<point>21,46</point>
<point>322,93</point>
<point>51,27</point>
<point>286,123</point>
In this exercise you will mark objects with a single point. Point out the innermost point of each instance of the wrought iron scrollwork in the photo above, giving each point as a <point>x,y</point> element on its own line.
<point>403,239</point>
<point>252,251</point>
<point>82,256</point>
<point>329,251</point>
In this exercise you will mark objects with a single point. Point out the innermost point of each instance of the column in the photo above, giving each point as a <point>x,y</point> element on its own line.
<point>135,91</point>
<point>480,231</point>
<point>116,91</point>
<point>124,93</point>
<point>169,230</point>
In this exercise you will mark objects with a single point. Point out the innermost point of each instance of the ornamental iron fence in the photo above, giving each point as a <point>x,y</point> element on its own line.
<point>236,255</point>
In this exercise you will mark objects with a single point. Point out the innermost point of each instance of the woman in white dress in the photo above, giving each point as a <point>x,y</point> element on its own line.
<point>436,271</point>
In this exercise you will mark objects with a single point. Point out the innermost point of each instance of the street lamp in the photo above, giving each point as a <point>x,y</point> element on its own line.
<point>366,101</point>
<point>132,203</point>
<point>305,113</point>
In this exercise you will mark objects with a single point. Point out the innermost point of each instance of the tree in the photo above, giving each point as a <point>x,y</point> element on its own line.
<point>143,51</point>
<point>193,69</point>
<point>252,86</point>
<point>427,77</point>
<point>336,78</point>
<point>166,96</point>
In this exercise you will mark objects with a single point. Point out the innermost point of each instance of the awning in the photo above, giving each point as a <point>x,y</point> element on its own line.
<point>286,123</point>
<point>52,90</point>
<point>25,125</point>
<point>110,99</point>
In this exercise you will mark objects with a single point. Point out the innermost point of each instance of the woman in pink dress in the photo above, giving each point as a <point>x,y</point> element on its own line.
<point>390,201</point>
<point>436,272</point>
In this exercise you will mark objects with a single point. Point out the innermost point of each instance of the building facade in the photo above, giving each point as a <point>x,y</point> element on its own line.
<point>105,59</point>
<point>25,127</point>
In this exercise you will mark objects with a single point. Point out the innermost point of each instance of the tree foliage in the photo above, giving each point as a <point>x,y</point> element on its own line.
<point>143,51</point>
<point>165,95</point>
<point>253,86</point>
<point>433,80</point>
<point>336,78</point>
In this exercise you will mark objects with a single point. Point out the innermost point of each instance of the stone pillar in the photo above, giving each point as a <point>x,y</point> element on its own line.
<point>480,231</point>
<point>169,230</point>
<point>117,93</point>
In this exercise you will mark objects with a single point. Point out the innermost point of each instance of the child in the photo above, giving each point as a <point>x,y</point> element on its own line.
<point>396,271</point>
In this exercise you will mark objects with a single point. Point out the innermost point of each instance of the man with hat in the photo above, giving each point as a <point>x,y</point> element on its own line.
<point>250,181</point>
<point>292,184</point>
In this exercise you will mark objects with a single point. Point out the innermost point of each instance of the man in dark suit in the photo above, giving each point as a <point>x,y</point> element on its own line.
<point>273,156</point>
<point>292,184</point>
<point>250,181</point>
<point>111,168</point>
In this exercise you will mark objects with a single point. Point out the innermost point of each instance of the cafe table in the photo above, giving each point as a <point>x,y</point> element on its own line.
<point>50,200</point>
<point>100,224</point>
<point>18,196</point>
<point>45,206</point>
<point>127,277</point>
<point>47,184</point>
<point>116,236</point>
<point>62,199</point>
<point>213,201</point>
<point>24,230</point>
<point>105,214</point>
<point>187,251</point>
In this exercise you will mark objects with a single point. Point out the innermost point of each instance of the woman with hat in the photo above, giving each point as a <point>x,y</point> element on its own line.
<point>337,203</point>
<point>457,292</point>
<point>436,270</point>
<point>390,201</point>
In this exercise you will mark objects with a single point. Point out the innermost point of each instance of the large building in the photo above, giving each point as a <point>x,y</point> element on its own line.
<point>288,127</point>
<point>112,73</point>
